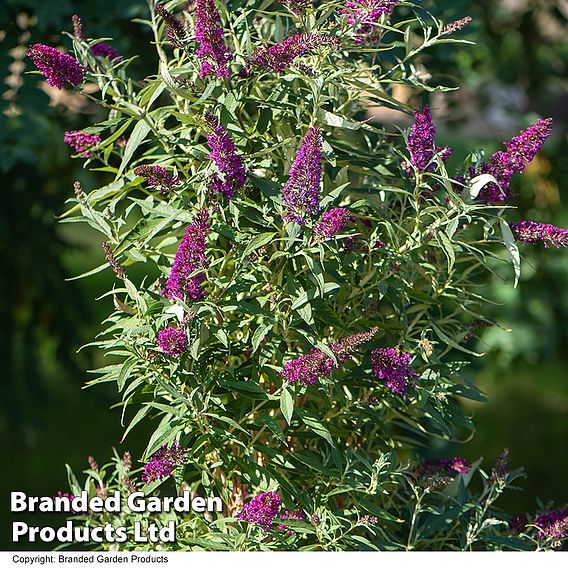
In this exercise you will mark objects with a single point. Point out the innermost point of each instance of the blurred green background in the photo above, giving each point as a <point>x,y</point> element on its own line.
<point>516,71</point>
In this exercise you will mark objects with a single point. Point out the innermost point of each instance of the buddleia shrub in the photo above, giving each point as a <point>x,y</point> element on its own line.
<point>310,277</point>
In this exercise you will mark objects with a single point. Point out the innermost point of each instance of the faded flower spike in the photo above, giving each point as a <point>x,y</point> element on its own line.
<point>187,276</point>
<point>212,52</point>
<point>529,232</point>
<point>316,364</point>
<point>78,30</point>
<point>421,143</point>
<point>364,14</point>
<point>224,156</point>
<point>106,51</point>
<point>159,177</point>
<point>164,462</point>
<point>279,57</point>
<point>519,153</point>
<point>82,142</point>
<point>111,259</point>
<point>57,67</point>
<point>302,192</point>
<point>175,30</point>
<point>332,222</point>
<point>457,25</point>
<point>261,510</point>
<point>172,341</point>
<point>443,465</point>
<point>393,366</point>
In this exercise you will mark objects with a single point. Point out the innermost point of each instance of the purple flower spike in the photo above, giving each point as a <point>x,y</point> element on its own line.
<point>332,222</point>
<point>212,52</point>
<point>302,194</point>
<point>106,51</point>
<point>173,341</point>
<point>520,152</point>
<point>393,366</point>
<point>225,157</point>
<point>421,140</point>
<point>82,142</point>
<point>529,232</point>
<point>316,365</point>
<point>187,276</point>
<point>57,67</point>
<point>164,462</point>
<point>261,510</point>
<point>279,57</point>
<point>158,176</point>
<point>364,14</point>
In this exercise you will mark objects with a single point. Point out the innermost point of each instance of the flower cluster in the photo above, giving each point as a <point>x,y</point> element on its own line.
<point>316,364</point>
<point>552,525</point>
<point>106,51</point>
<point>57,67</point>
<point>302,192</point>
<point>224,156</point>
<point>172,341</point>
<point>519,153</point>
<point>163,463</point>
<point>393,366</point>
<point>439,466</point>
<point>187,277</point>
<point>332,222</point>
<point>291,515</point>
<point>261,510</point>
<point>175,30</point>
<point>82,142</point>
<point>212,52</point>
<point>364,14</point>
<point>457,25</point>
<point>421,143</point>
<point>475,326</point>
<point>280,56</point>
<point>158,176</point>
<point>529,232</point>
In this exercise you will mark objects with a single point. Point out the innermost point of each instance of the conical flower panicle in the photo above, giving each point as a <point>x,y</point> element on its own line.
<point>279,57</point>
<point>317,365</point>
<point>332,222</point>
<point>212,52</point>
<point>224,155</point>
<point>302,192</point>
<point>57,67</point>
<point>189,258</point>
<point>529,232</point>
<point>519,153</point>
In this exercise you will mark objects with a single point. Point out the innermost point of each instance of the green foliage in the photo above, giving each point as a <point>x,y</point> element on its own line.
<point>338,450</point>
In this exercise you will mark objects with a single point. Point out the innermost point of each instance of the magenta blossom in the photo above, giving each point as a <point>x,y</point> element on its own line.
<point>173,341</point>
<point>82,142</point>
<point>393,366</point>
<point>261,510</point>
<point>57,67</point>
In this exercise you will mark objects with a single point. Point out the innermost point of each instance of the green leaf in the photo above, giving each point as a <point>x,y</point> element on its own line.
<point>512,247</point>
<point>287,405</point>
<point>139,133</point>
<point>257,242</point>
